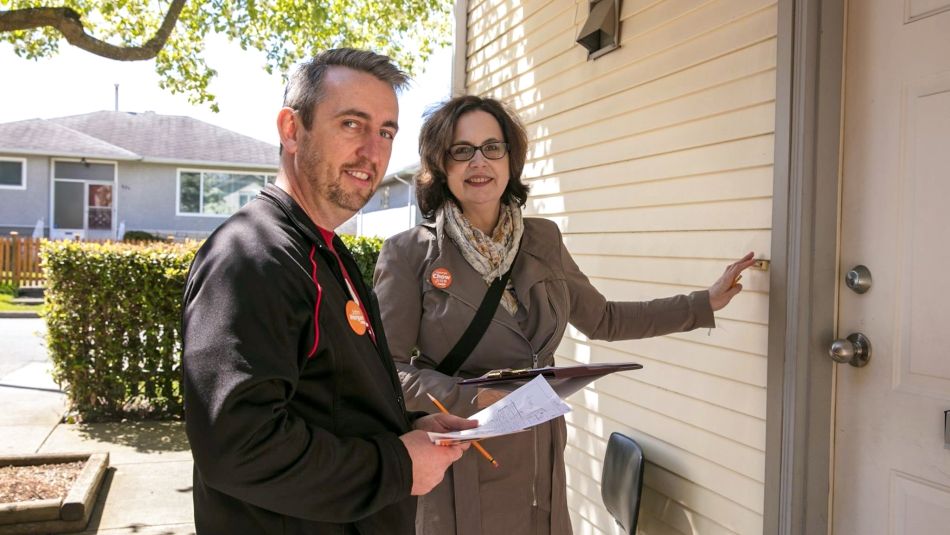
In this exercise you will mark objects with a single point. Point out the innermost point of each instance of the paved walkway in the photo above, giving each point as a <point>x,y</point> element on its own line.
<point>147,490</point>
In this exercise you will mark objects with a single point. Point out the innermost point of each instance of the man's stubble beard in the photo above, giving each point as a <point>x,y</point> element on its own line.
<point>327,182</point>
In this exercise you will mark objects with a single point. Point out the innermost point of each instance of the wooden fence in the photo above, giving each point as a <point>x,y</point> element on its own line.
<point>20,261</point>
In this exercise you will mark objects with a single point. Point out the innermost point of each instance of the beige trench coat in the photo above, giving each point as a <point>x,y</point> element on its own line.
<point>527,494</point>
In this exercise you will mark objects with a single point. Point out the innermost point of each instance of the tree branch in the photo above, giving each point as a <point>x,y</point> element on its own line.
<point>69,23</point>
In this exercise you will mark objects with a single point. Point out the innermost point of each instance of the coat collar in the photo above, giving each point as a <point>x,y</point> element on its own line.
<point>531,266</point>
<point>293,211</point>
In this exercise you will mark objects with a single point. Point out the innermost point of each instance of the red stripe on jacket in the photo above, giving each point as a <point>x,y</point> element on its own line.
<point>316,309</point>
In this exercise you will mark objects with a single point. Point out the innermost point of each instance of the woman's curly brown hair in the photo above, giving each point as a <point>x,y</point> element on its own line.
<point>432,187</point>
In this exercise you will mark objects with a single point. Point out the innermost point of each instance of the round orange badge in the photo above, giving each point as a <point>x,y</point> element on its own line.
<point>354,315</point>
<point>441,278</point>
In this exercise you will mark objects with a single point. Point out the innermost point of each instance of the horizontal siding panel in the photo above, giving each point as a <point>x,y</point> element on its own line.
<point>740,184</point>
<point>540,53</point>
<point>727,393</point>
<point>732,96</point>
<point>697,355</point>
<point>655,511</point>
<point>704,358</point>
<point>739,335</point>
<point>742,214</point>
<point>747,306</point>
<point>643,41</point>
<point>716,449</point>
<point>754,121</point>
<point>700,244</point>
<point>657,507</point>
<point>518,51</point>
<point>743,63</point>
<point>585,450</point>
<point>608,75</point>
<point>756,151</point>
<point>694,272</point>
<point>729,424</point>
<point>750,338</point>
<point>489,21</point>
<point>724,513</point>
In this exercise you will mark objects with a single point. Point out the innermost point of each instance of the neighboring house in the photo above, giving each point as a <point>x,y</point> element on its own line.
<point>719,127</point>
<point>391,210</point>
<point>97,174</point>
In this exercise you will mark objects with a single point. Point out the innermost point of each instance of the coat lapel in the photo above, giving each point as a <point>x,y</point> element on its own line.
<point>467,285</point>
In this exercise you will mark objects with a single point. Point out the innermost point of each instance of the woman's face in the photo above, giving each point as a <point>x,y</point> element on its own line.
<point>478,183</point>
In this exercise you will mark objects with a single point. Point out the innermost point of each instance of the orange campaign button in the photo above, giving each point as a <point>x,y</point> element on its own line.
<point>354,315</point>
<point>441,278</point>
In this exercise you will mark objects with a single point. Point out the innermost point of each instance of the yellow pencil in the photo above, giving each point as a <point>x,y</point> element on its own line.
<point>475,443</point>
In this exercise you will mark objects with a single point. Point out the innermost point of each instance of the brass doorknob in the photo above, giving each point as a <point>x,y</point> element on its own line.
<point>854,350</point>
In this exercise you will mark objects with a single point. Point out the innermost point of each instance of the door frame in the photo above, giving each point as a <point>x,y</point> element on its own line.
<point>86,182</point>
<point>804,266</point>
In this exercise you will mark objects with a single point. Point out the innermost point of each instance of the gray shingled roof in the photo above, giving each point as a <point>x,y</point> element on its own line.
<point>36,136</point>
<point>146,136</point>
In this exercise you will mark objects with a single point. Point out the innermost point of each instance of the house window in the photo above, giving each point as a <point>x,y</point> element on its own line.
<point>13,173</point>
<point>217,193</point>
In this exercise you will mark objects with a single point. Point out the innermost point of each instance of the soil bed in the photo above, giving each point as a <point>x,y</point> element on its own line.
<point>37,482</point>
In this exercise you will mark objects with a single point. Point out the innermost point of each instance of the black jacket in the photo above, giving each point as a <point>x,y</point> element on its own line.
<point>293,421</point>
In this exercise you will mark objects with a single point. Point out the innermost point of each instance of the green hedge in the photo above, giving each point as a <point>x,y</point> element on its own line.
<point>365,252</point>
<point>140,236</point>
<point>113,314</point>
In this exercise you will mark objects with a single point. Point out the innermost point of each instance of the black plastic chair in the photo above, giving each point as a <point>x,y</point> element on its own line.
<point>622,480</point>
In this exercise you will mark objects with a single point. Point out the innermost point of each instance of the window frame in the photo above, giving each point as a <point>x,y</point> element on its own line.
<point>22,161</point>
<point>269,178</point>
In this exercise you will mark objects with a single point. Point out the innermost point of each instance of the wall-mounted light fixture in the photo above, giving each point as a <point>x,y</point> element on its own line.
<point>601,32</point>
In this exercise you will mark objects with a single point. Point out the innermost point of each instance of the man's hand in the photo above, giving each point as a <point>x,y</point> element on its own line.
<point>429,462</point>
<point>443,423</point>
<point>724,289</point>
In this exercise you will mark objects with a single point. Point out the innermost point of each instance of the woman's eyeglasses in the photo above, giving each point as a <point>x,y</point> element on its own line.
<point>493,150</point>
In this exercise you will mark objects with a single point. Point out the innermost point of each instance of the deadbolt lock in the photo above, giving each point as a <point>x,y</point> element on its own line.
<point>858,279</point>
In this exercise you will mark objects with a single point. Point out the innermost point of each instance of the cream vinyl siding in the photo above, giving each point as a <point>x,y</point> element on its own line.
<point>656,162</point>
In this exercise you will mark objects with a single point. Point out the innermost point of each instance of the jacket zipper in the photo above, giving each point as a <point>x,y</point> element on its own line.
<point>534,432</point>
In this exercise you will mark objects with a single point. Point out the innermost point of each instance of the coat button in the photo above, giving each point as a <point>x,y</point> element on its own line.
<point>399,400</point>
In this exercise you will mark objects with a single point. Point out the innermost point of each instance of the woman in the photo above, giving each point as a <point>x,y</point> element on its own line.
<point>431,279</point>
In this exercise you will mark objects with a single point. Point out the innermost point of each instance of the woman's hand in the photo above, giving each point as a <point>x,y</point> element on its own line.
<point>724,289</point>
<point>488,396</point>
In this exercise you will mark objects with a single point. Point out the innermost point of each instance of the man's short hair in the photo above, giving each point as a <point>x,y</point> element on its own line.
<point>305,87</point>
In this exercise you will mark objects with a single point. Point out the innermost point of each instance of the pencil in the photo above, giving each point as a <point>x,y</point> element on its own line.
<point>475,443</point>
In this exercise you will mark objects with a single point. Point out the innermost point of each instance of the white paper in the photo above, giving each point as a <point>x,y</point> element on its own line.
<point>532,404</point>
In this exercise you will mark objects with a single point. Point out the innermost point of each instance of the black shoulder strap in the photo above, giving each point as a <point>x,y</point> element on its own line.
<point>476,329</point>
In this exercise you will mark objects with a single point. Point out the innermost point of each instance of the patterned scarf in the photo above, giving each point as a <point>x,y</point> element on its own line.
<point>490,257</point>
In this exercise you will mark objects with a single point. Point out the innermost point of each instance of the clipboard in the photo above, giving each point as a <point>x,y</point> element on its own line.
<point>565,380</point>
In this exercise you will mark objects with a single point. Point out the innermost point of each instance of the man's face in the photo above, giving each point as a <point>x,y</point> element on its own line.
<point>341,160</point>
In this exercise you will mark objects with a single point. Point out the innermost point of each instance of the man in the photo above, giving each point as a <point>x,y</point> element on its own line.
<point>292,406</point>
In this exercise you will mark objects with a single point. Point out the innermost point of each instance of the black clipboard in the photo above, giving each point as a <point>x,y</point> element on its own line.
<point>565,380</point>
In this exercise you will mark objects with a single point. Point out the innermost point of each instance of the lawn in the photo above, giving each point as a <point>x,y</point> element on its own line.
<point>7,306</point>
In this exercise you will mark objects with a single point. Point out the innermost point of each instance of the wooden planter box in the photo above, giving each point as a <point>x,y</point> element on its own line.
<point>60,515</point>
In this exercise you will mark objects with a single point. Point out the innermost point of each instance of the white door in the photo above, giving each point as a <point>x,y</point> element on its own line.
<point>891,466</point>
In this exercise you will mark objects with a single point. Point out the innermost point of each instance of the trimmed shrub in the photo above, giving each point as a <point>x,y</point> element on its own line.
<point>365,251</point>
<point>113,314</point>
<point>140,236</point>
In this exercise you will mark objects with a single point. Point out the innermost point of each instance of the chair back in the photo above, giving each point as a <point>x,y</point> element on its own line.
<point>622,480</point>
